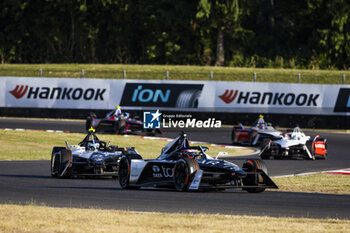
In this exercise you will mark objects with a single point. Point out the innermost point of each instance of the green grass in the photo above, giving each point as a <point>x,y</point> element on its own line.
<point>320,183</point>
<point>37,145</point>
<point>115,71</point>
<point>34,218</point>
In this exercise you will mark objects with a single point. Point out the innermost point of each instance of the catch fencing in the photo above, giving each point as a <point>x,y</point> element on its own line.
<point>284,77</point>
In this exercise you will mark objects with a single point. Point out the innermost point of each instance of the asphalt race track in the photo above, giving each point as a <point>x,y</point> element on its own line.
<point>30,181</point>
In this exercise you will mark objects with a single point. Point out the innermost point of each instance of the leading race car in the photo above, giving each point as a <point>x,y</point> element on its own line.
<point>256,135</point>
<point>294,145</point>
<point>119,124</point>
<point>91,157</point>
<point>186,167</point>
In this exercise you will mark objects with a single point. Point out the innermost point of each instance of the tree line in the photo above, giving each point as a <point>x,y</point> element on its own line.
<point>311,34</point>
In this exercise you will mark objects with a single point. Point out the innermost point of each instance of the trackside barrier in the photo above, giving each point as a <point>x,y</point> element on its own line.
<point>201,98</point>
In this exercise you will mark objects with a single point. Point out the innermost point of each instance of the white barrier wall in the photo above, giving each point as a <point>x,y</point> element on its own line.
<point>249,97</point>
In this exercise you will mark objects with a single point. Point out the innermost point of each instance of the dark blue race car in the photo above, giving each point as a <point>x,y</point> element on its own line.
<point>186,167</point>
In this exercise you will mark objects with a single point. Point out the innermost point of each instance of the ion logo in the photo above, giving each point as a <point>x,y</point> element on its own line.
<point>19,91</point>
<point>161,95</point>
<point>343,101</point>
<point>151,120</point>
<point>148,95</point>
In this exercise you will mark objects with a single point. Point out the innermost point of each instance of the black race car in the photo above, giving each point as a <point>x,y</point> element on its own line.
<point>186,167</point>
<point>119,124</point>
<point>91,157</point>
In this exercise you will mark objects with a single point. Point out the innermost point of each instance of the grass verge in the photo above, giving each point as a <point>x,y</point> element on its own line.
<point>320,183</point>
<point>37,145</point>
<point>115,71</point>
<point>15,218</point>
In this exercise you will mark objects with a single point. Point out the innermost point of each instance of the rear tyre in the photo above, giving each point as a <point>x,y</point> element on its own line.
<point>233,135</point>
<point>256,179</point>
<point>184,172</point>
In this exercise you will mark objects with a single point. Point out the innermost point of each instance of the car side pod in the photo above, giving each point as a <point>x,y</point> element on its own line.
<point>257,179</point>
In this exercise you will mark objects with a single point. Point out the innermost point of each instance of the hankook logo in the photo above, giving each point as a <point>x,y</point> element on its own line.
<point>270,98</point>
<point>229,96</point>
<point>19,91</point>
<point>61,93</point>
<point>161,95</point>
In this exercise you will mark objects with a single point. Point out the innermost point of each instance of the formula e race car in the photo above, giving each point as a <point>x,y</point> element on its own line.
<point>294,145</point>
<point>186,167</point>
<point>256,134</point>
<point>119,124</point>
<point>91,157</point>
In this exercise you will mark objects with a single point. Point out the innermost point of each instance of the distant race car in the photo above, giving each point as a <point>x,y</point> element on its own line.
<point>295,145</point>
<point>255,135</point>
<point>121,124</point>
<point>91,157</point>
<point>186,167</point>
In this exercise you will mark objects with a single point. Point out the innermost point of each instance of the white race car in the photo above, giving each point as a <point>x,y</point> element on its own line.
<point>255,135</point>
<point>294,145</point>
<point>91,157</point>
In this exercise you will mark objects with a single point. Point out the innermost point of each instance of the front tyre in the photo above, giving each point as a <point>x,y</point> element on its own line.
<point>61,162</point>
<point>55,161</point>
<point>184,172</point>
<point>124,174</point>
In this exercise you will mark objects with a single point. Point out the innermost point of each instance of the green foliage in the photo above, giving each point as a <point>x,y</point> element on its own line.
<point>311,34</point>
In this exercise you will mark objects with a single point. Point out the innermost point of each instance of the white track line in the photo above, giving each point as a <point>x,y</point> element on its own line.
<point>312,173</point>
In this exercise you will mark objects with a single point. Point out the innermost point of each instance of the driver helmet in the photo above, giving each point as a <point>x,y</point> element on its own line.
<point>261,122</point>
<point>92,147</point>
<point>118,110</point>
<point>189,153</point>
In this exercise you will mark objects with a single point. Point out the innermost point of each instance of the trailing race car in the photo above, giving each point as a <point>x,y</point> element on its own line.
<point>294,145</point>
<point>186,167</point>
<point>119,124</point>
<point>255,135</point>
<point>91,157</point>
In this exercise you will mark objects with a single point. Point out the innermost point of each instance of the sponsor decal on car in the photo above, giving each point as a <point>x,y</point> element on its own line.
<point>156,172</point>
<point>167,172</point>
<point>320,146</point>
